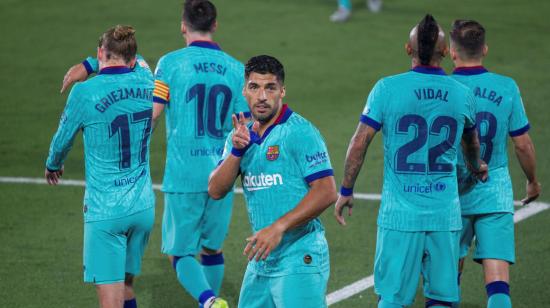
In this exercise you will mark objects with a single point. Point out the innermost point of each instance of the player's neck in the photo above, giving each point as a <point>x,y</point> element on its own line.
<point>113,62</point>
<point>191,37</point>
<point>468,63</point>
<point>416,62</point>
<point>263,126</point>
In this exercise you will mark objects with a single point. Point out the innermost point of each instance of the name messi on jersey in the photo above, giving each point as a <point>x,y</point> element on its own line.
<point>432,94</point>
<point>205,67</point>
<point>488,94</point>
<point>122,94</point>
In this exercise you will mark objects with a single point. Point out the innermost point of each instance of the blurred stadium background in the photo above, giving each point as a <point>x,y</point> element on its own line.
<point>330,71</point>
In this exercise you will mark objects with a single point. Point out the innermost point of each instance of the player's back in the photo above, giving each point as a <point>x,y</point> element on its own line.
<point>422,114</point>
<point>116,108</point>
<point>203,87</point>
<point>499,113</point>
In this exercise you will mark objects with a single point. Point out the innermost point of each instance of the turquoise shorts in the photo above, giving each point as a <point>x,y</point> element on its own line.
<point>401,257</point>
<point>494,236</point>
<point>115,247</point>
<point>293,290</point>
<point>192,221</point>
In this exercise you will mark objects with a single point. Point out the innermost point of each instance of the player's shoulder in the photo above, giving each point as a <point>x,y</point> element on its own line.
<point>297,123</point>
<point>172,56</point>
<point>503,80</point>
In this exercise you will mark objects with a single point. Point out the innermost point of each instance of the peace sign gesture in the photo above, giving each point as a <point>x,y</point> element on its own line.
<point>241,137</point>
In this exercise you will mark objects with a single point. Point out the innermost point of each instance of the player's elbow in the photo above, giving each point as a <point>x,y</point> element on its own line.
<point>215,192</point>
<point>523,145</point>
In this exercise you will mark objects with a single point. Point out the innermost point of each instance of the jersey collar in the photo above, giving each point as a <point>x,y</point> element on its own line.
<point>111,70</point>
<point>206,44</point>
<point>282,118</point>
<point>426,69</point>
<point>470,70</point>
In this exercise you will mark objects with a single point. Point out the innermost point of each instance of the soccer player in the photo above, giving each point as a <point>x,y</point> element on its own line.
<point>487,208</point>
<point>343,13</point>
<point>114,111</point>
<point>288,182</point>
<point>200,87</point>
<point>423,115</point>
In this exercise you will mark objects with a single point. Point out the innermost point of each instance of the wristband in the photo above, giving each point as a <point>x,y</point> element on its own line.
<point>346,192</point>
<point>238,152</point>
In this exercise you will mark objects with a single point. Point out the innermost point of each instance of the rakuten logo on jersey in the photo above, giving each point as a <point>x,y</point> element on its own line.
<point>261,181</point>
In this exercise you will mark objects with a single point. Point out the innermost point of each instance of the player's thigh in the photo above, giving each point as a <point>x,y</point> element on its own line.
<point>289,290</point>
<point>397,265</point>
<point>495,237</point>
<point>440,265</point>
<point>181,222</point>
<point>215,222</point>
<point>466,234</point>
<point>139,229</point>
<point>104,252</point>
<point>255,292</point>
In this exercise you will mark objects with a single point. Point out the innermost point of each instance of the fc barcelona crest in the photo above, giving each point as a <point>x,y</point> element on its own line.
<point>272,152</point>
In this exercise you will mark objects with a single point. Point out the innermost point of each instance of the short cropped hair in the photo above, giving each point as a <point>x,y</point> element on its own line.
<point>119,42</point>
<point>199,15</point>
<point>469,38</point>
<point>265,64</point>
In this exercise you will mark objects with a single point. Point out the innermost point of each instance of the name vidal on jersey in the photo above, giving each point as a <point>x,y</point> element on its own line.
<point>261,181</point>
<point>122,94</point>
<point>431,94</point>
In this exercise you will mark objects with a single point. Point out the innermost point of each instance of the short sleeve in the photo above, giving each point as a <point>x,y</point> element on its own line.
<point>518,124</point>
<point>91,64</point>
<point>311,154</point>
<point>470,112</point>
<point>373,112</point>
<point>142,67</point>
<point>161,94</point>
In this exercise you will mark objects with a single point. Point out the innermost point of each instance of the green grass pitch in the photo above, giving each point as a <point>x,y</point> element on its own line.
<point>330,71</point>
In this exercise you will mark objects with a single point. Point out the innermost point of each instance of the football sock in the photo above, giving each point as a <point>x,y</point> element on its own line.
<point>213,268</point>
<point>432,303</point>
<point>498,293</point>
<point>130,303</point>
<point>384,304</point>
<point>345,4</point>
<point>190,275</point>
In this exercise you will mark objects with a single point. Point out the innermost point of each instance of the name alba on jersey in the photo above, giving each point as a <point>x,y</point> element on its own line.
<point>262,181</point>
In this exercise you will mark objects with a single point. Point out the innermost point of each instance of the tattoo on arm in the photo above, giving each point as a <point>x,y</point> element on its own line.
<point>356,153</point>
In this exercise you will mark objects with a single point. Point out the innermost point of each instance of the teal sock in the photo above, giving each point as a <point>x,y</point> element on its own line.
<point>383,304</point>
<point>213,267</point>
<point>498,293</point>
<point>345,4</point>
<point>191,276</point>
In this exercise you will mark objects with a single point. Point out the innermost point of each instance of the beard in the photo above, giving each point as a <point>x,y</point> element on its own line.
<point>268,112</point>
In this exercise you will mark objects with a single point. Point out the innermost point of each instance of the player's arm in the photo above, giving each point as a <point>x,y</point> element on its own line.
<point>321,195</point>
<point>161,93</point>
<point>223,177</point>
<point>525,152</point>
<point>355,158</point>
<point>62,142</point>
<point>470,149</point>
<point>158,109</point>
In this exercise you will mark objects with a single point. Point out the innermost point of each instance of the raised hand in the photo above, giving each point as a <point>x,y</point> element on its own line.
<point>241,136</point>
<point>341,203</point>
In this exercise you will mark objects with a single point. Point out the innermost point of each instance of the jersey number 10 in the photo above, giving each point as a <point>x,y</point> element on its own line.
<point>198,91</point>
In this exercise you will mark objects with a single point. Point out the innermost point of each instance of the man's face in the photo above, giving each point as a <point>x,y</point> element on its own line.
<point>264,94</point>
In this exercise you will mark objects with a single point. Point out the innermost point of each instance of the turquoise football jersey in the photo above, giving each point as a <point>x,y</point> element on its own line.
<point>275,172</point>
<point>202,87</point>
<point>422,114</point>
<point>114,111</point>
<point>141,67</point>
<point>499,113</point>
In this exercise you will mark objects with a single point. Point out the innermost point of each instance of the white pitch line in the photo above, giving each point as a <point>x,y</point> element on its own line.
<point>338,295</point>
<point>359,286</point>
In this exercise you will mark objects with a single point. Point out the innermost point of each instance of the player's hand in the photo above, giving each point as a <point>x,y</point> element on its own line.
<point>52,177</point>
<point>342,203</point>
<point>76,73</point>
<point>533,191</point>
<point>482,172</point>
<point>241,137</point>
<point>261,244</point>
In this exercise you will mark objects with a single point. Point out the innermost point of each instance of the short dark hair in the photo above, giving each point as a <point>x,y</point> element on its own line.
<point>199,15</point>
<point>469,38</point>
<point>119,41</point>
<point>265,65</point>
<point>427,35</point>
